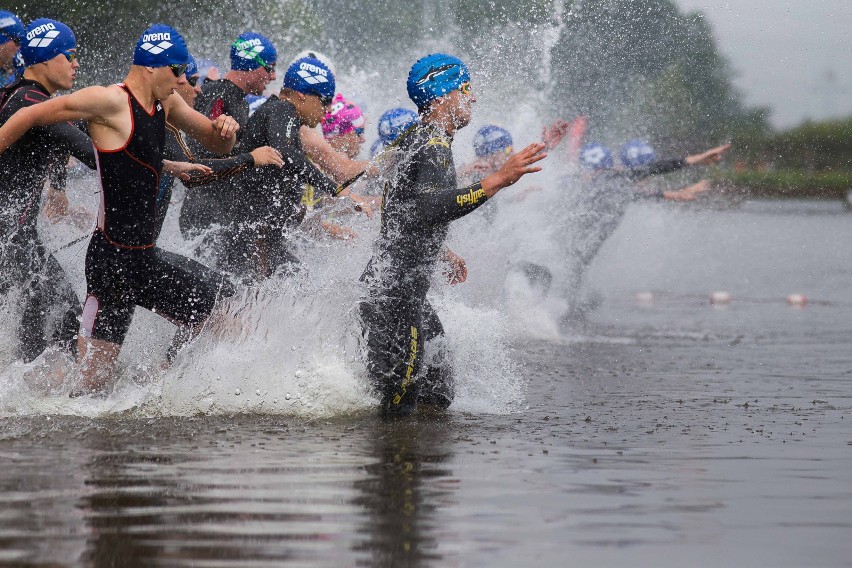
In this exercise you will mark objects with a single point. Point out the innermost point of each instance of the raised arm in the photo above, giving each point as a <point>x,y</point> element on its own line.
<point>441,205</point>
<point>217,135</point>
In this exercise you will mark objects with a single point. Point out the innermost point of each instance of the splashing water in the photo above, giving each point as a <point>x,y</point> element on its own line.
<point>290,346</point>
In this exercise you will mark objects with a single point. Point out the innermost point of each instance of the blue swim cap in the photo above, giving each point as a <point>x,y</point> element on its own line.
<point>255,102</point>
<point>434,76</point>
<point>594,156</point>
<point>394,122</point>
<point>490,139</point>
<point>311,77</point>
<point>377,147</point>
<point>44,39</point>
<point>636,153</point>
<point>160,46</point>
<point>252,50</point>
<point>11,27</point>
<point>191,67</point>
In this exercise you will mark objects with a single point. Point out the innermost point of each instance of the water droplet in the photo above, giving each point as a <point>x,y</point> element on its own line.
<point>238,392</point>
<point>257,392</point>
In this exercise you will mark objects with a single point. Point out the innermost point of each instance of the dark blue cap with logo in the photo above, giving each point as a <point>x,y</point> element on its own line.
<point>160,46</point>
<point>311,77</point>
<point>11,27</point>
<point>44,39</point>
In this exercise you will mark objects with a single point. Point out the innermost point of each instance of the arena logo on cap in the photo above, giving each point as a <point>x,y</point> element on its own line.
<point>48,38</point>
<point>249,48</point>
<point>307,70</point>
<point>164,39</point>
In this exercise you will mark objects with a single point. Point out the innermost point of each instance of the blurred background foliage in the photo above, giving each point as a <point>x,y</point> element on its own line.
<point>635,68</point>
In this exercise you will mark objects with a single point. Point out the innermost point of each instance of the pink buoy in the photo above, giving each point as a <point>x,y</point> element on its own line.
<point>797,300</point>
<point>720,298</point>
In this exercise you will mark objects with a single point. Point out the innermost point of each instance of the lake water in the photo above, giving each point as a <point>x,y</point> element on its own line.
<point>666,432</point>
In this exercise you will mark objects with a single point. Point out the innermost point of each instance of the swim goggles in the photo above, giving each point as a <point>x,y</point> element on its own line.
<point>70,55</point>
<point>178,70</point>
<point>268,67</point>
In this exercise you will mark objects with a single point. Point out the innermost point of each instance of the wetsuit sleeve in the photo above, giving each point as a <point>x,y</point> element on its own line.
<point>58,173</point>
<point>222,168</point>
<point>79,145</point>
<point>282,132</point>
<point>657,168</point>
<point>440,204</point>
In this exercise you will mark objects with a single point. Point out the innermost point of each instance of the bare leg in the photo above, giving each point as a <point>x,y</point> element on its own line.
<point>97,361</point>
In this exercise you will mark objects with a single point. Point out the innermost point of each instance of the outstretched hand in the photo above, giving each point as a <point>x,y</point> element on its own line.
<point>688,193</point>
<point>711,156</point>
<point>553,134</point>
<point>516,167</point>
<point>185,170</point>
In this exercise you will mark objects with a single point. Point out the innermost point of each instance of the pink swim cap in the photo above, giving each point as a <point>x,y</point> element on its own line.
<point>344,117</point>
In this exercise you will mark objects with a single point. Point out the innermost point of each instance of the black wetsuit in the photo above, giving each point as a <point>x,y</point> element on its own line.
<point>50,308</point>
<point>270,197</point>
<point>420,201</point>
<point>177,150</point>
<point>593,211</point>
<point>214,205</point>
<point>124,268</point>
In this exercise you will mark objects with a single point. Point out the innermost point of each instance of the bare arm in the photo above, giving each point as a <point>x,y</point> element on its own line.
<point>94,104</point>
<point>711,156</point>
<point>218,135</point>
<point>337,165</point>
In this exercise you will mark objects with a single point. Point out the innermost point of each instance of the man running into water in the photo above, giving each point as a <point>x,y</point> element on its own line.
<point>253,60</point>
<point>11,61</point>
<point>50,308</point>
<point>271,198</point>
<point>594,209</point>
<point>177,150</point>
<point>124,267</point>
<point>419,203</point>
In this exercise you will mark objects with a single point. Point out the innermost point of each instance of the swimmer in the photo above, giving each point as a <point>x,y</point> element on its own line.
<point>595,210</point>
<point>51,309</point>
<point>420,203</point>
<point>392,124</point>
<point>271,203</point>
<point>177,151</point>
<point>253,61</point>
<point>124,266</point>
<point>11,61</point>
